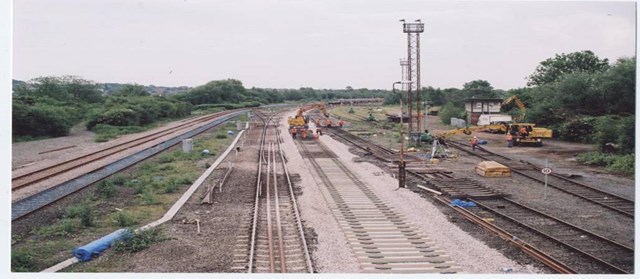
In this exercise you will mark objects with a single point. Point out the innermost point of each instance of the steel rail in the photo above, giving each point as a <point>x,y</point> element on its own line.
<point>628,202</point>
<point>30,178</point>
<point>296,211</point>
<point>549,261</point>
<point>35,202</point>
<point>572,247</point>
<point>283,266</point>
<point>257,198</point>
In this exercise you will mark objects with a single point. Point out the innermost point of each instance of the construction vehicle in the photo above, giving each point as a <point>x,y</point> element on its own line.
<point>519,104</point>
<point>530,135</point>
<point>300,122</point>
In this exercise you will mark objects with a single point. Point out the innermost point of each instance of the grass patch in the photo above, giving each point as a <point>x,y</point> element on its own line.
<point>142,195</point>
<point>106,189</point>
<point>139,241</point>
<point>124,219</point>
<point>21,261</point>
<point>106,132</point>
<point>620,164</point>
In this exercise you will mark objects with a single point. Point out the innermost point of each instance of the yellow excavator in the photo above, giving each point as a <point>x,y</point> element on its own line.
<point>300,119</point>
<point>519,104</point>
<point>523,133</point>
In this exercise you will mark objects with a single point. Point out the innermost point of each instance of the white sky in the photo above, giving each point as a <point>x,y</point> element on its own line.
<point>321,44</point>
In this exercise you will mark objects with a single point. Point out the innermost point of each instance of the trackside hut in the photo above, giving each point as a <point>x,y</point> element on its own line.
<point>476,107</point>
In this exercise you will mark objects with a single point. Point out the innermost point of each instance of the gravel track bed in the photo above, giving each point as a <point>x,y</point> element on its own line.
<point>29,151</point>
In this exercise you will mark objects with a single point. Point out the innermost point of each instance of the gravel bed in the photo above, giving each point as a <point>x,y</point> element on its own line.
<point>471,254</point>
<point>29,151</point>
<point>332,253</point>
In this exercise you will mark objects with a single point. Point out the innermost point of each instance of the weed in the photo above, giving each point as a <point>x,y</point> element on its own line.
<point>171,186</point>
<point>166,159</point>
<point>21,261</point>
<point>139,241</point>
<point>77,211</point>
<point>87,219</point>
<point>119,179</point>
<point>148,198</point>
<point>221,136</point>
<point>123,219</point>
<point>106,189</point>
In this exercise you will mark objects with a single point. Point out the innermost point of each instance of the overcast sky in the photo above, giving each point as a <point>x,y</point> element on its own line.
<point>319,44</point>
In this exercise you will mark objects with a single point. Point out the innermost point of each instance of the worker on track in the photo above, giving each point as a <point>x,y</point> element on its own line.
<point>293,133</point>
<point>319,131</point>
<point>341,123</point>
<point>474,142</point>
<point>509,140</point>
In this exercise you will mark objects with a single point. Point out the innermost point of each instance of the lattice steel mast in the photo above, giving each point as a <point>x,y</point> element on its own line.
<point>413,31</point>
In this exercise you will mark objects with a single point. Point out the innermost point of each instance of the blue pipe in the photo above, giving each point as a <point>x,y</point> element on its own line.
<point>86,252</point>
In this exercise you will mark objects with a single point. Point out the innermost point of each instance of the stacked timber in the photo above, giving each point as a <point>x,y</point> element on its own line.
<point>492,169</point>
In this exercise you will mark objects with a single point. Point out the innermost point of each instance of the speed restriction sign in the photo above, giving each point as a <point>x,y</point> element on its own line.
<point>546,170</point>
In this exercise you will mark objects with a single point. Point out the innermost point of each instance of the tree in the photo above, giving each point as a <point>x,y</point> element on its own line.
<point>478,89</point>
<point>132,90</point>
<point>552,69</point>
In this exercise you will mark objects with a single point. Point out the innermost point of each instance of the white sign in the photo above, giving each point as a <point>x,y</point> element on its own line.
<point>546,170</point>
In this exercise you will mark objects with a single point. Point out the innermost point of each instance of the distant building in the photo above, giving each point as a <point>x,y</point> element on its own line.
<point>475,107</point>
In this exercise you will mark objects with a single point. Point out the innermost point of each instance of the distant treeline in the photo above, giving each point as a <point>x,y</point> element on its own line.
<point>49,106</point>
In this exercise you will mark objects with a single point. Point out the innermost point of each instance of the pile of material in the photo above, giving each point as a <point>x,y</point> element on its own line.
<point>492,169</point>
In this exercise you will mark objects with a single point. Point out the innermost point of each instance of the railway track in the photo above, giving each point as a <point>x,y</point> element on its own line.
<point>382,239</point>
<point>30,178</point>
<point>42,199</point>
<point>560,245</point>
<point>624,206</point>
<point>598,255</point>
<point>276,241</point>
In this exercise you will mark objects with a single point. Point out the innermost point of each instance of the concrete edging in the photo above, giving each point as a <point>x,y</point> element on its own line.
<point>176,206</point>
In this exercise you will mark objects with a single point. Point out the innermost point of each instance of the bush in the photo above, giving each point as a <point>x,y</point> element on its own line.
<point>21,261</point>
<point>106,189</point>
<point>124,220</point>
<point>42,120</point>
<point>148,198</point>
<point>221,136</point>
<point>618,130</point>
<point>77,211</point>
<point>115,117</point>
<point>578,129</point>
<point>139,241</point>
<point>171,186</point>
<point>448,111</point>
<point>622,164</point>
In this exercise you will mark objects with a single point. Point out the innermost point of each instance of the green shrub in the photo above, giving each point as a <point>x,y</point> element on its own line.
<point>124,220</point>
<point>579,129</point>
<point>106,189</point>
<point>119,179</point>
<point>149,198</point>
<point>42,120</point>
<point>21,261</point>
<point>139,241</point>
<point>87,218</point>
<point>624,164</point>
<point>448,111</point>
<point>116,117</point>
<point>171,186</point>
<point>77,210</point>
<point>221,136</point>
